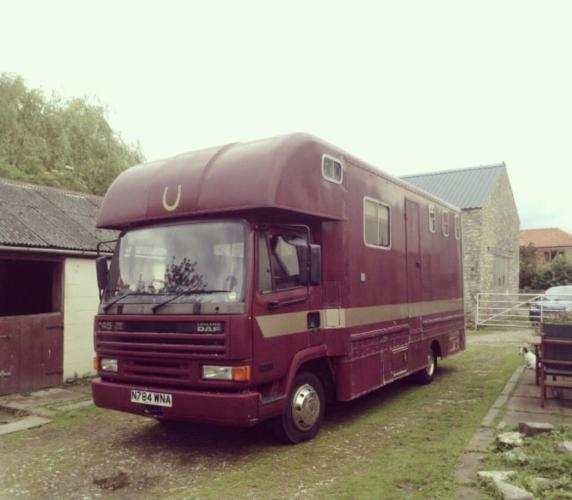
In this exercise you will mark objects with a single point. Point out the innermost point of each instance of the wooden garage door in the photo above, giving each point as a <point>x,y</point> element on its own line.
<point>31,352</point>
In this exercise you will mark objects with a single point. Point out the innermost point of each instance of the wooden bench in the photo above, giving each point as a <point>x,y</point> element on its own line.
<point>555,361</point>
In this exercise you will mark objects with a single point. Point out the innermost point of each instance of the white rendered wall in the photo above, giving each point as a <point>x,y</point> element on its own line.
<point>80,306</point>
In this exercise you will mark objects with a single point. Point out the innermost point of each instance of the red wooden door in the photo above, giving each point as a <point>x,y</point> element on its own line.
<point>9,357</point>
<point>31,352</point>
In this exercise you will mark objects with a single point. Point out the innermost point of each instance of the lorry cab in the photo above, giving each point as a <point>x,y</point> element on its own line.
<point>255,281</point>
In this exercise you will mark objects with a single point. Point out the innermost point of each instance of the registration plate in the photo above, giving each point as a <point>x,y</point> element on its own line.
<point>152,398</point>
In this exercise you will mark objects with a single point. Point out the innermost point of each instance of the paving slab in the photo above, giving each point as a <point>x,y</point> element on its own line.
<point>532,405</point>
<point>467,493</point>
<point>481,440</point>
<point>467,467</point>
<point>75,406</point>
<point>23,424</point>
<point>513,418</point>
<point>527,391</point>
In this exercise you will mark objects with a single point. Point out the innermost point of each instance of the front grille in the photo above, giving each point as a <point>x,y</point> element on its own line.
<point>139,368</point>
<point>168,340</point>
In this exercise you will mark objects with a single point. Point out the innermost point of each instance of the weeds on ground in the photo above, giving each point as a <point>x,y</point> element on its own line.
<point>543,462</point>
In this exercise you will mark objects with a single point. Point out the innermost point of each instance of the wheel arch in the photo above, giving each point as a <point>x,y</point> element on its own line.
<point>314,360</point>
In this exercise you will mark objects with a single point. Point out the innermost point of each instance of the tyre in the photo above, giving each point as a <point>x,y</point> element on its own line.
<point>427,375</point>
<point>304,412</point>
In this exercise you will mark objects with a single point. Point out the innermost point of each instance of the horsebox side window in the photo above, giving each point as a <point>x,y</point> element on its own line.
<point>446,224</point>
<point>376,224</point>
<point>457,227</point>
<point>332,169</point>
<point>432,218</point>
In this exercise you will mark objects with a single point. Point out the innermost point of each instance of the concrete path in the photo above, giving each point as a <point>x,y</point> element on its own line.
<point>26,411</point>
<point>519,401</point>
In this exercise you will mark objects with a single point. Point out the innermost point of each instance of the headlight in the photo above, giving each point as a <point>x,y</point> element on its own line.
<point>108,364</point>
<point>236,373</point>
<point>217,372</point>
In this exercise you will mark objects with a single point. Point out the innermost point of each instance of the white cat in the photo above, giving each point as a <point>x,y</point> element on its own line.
<point>529,358</point>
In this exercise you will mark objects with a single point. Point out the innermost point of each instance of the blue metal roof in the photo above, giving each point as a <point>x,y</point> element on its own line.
<point>464,188</point>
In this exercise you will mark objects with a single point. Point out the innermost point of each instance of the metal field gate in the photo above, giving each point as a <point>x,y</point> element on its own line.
<point>521,310</point>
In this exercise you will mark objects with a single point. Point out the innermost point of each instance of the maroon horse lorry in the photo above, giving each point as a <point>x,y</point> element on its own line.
<point>261,280</point>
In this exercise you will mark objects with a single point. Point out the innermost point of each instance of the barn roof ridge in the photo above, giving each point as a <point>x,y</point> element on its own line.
<point>455,170</point>
<point>465,188</point>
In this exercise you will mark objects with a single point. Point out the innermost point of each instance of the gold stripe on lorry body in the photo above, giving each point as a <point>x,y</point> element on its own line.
<point>276,325</point>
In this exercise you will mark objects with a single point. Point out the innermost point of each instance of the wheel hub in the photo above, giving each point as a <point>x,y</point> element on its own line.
<point>305,407</point>
<point>430,363</point>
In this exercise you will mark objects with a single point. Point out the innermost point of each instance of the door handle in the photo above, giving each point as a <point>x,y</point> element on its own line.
<point>4,337</point>
<point>273,305</point>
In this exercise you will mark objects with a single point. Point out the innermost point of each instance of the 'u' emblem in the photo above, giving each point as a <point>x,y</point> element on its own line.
<point>169,207</point>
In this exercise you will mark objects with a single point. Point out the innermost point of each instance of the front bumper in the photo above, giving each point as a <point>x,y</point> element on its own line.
<point>241,409</point>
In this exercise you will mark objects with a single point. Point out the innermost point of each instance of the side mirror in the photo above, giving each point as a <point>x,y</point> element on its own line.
<point>102,273</point>
<point>315,264</point>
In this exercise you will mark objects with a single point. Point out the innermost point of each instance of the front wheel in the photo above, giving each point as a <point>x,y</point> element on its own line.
<point>427,375</point>
<point>304,410</point>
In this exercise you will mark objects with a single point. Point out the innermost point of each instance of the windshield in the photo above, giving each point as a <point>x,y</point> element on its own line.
<point>200,262</point>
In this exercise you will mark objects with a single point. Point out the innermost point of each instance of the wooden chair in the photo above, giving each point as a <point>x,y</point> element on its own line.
<point>555,358</point>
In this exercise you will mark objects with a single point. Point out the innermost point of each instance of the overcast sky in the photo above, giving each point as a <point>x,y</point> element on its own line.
<point>408,86</point>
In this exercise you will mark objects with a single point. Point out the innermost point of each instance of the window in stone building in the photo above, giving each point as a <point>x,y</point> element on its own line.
<point>501,268</point>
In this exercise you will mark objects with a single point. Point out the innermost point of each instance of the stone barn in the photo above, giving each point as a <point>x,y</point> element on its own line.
<point>490,226</point>
<point>48,286</point>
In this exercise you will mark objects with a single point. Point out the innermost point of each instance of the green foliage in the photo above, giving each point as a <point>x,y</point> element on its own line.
<point>58,143</point>
<point>534,277</point>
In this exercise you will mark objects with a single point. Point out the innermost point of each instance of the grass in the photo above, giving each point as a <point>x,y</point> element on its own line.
<point>402,441</point>
<point>543,462</point>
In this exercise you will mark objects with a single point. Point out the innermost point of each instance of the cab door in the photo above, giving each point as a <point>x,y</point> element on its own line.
<point>282,322</point>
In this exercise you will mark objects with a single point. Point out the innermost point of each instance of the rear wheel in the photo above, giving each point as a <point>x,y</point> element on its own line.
<point>427,375</point>
<point>304,410</point>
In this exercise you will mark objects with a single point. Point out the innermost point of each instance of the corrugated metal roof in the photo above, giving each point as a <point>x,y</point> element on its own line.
<point>43,217</point>
<point>465,188</point>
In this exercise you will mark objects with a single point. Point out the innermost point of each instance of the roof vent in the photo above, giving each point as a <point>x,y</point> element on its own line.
<point>332,169</point>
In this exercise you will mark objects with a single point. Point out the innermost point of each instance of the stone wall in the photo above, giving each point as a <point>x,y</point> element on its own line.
<point>491,246</point>
<point>500,237</point>
<point>540,258</point>
<point>472,230</point>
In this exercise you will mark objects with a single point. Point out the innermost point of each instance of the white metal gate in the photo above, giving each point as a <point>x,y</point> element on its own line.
<point>520,310</point>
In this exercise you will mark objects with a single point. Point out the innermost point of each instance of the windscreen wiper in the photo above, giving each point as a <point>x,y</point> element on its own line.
<point>158,306</point>
<point>118,299</point>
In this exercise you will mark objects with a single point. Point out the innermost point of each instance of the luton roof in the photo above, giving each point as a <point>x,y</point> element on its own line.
<point>279,173</point>
<point>546,237</point>
<point>48,218</point>
<point>465,188</point>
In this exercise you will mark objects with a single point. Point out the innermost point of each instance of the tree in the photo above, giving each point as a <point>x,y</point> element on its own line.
<point>59,143</point>
<point>528,266</point>
<point>534,277</point>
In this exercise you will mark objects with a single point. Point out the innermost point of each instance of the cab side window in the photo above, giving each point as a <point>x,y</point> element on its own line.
<point>279,268</point>
<point>264,273</point>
